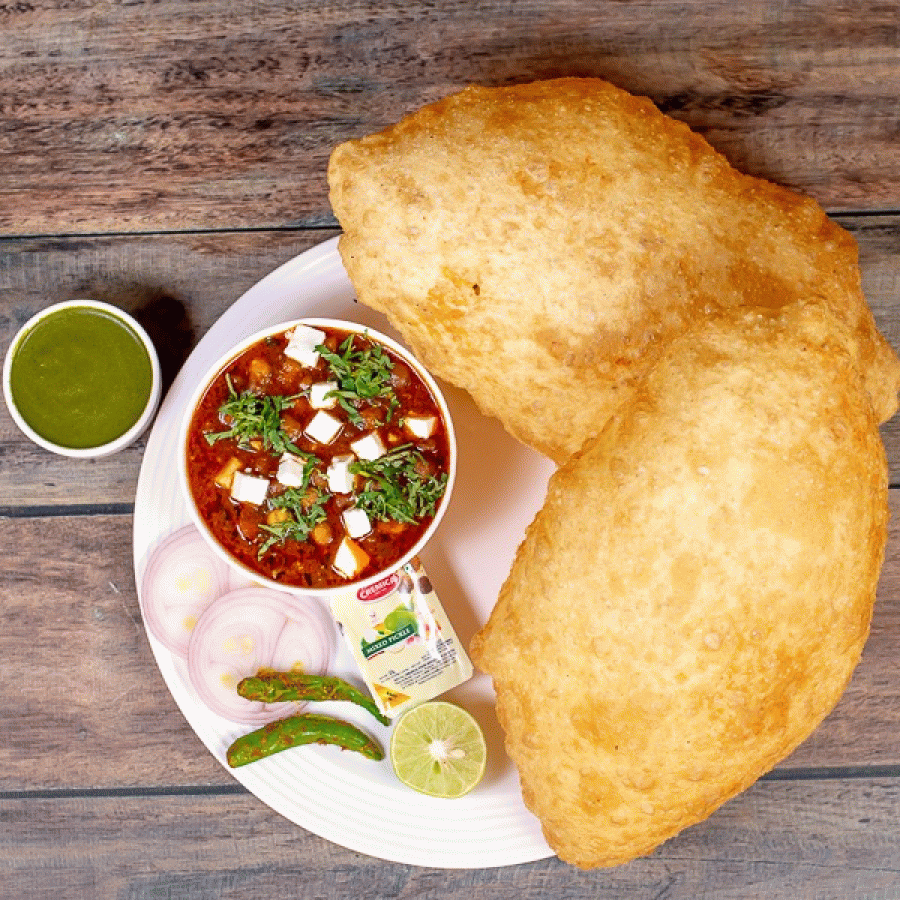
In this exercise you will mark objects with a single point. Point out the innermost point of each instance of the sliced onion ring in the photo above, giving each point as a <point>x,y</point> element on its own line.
<point>256,628</point>
<point>183,576</point>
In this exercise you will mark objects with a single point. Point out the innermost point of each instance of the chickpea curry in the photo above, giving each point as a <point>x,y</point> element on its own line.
<point>317,457</point>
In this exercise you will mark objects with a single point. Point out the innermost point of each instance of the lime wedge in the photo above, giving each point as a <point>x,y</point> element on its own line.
<point>438,749</point>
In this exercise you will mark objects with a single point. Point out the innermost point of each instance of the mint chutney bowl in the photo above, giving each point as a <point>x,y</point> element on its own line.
<point>82,379</point>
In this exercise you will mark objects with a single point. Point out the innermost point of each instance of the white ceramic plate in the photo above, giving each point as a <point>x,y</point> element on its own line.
<point>337,794</point>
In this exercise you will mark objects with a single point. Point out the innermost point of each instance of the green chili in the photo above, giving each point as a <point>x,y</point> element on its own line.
<point>301,729</point>
<point>275,687</point>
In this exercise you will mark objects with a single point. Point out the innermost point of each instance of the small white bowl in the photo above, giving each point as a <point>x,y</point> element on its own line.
<point>124,439</point>
<point>233,353</point>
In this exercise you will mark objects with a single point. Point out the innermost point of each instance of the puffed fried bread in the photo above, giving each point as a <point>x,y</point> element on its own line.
<point>691,600</point>
<point>537,245</point>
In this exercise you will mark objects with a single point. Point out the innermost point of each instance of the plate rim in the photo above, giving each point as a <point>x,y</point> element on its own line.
<point>316,764</point>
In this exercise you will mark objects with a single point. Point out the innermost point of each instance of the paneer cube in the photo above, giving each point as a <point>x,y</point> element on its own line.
<point>356,522</point>
<point>340,479</point>
<point>249,488</point>
<point>302,345</point>
<point>323,427</point>
<point>318,395</point>
<point>350,558</point>
<point>369,446</point>
<point>290,470</point>
<point>421,427</point>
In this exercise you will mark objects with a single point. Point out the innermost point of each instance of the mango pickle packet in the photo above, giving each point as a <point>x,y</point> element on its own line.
<point>401,639</point>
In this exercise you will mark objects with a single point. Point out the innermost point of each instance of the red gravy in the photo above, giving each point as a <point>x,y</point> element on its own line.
<point>249,530</point>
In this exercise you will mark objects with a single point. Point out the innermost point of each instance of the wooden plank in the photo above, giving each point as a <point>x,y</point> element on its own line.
<point>178,285</point>
<point>83,703</point>
<point>878,238</point>
<point>175,115</point>
<point>781,841</point>
<point>84,700</point>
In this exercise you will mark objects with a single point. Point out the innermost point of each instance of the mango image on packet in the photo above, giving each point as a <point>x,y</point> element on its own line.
<point>401,639</point>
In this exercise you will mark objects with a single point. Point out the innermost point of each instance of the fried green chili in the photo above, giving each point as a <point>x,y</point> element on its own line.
<point>293,731</point>
<point>275,687</point>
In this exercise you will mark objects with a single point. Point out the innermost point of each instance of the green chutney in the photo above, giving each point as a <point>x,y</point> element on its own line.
<point>81,377</point>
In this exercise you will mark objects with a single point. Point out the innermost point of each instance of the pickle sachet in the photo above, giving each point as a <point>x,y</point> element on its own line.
<point>402,639</point>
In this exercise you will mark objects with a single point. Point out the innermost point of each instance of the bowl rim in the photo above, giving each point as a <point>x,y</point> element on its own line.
<point>236,350</point>
<point>123,440</point>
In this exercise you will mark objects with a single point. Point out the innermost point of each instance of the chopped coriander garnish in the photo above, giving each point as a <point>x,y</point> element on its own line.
<point>298,500</point>
<point>394,488</point>
<point>306,508</point>
<point>255,417</point>
<point>362,375</point>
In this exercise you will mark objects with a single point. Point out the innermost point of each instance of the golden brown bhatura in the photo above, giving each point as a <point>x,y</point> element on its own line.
<point>537,245</point>
<point>693,347</point>
<point>692,599</point>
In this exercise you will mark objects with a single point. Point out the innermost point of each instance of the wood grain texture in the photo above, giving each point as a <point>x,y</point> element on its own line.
<point>155,115</point>
<point>178,285</point>
<point>164,156</point>
<point>79,686</point>
<point>79,683</point>
<point>779,841</point>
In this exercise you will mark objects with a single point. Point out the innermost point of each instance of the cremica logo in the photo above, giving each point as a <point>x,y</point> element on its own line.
<point>379,589</point>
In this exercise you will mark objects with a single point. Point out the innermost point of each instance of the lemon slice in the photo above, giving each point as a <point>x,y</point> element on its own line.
<point>438,749</point>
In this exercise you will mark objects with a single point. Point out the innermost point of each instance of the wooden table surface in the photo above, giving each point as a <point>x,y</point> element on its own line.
<point>164,156</point>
